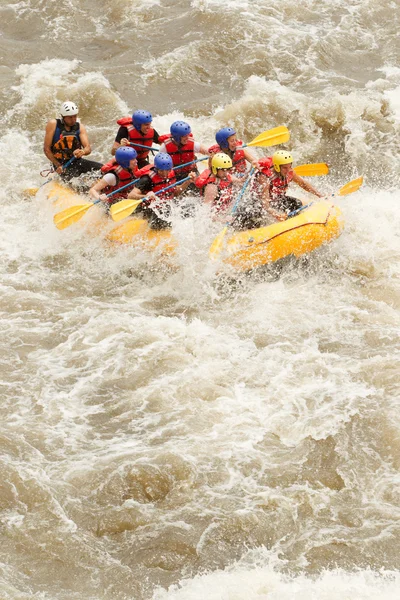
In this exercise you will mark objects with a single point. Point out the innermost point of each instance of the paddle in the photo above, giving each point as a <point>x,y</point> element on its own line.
<point>72,215</point>
<point>217,244</point>
<point>272,137</point>
<point>123,209</point>
<point>349,188</point>
<point>312,170</point>
<point>132,144</point>
<point>33,191</point>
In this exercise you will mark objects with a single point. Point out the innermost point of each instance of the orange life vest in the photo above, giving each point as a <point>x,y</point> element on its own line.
<point>65,141</point>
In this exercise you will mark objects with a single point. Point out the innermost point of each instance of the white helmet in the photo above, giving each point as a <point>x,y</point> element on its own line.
<point>69,109</point>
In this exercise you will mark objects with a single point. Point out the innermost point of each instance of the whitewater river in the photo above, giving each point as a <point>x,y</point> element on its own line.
<point>167,434</point>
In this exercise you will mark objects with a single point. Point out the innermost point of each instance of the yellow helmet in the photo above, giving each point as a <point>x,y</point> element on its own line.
<point>220,161</point>
<point>281,157</point>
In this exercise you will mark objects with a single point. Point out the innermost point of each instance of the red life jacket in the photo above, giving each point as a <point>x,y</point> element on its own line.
<point>214,149</point>
<point>238,158</point>
<point>277,185</point>
<point>123,176</point>
<point>224,187</point>
<point>143,171</point>
<point>180,154</point>
<point>138,137</point>
<point>202,180</point>
<point>159,183</point>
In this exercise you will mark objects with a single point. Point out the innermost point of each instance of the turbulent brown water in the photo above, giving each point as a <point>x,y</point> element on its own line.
<point>166,435</point>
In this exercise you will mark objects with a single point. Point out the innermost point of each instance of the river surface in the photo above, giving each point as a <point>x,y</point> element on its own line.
<point>172,435</point>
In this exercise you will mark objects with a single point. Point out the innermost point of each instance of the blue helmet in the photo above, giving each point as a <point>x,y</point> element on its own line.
<point>140,117</point>
<point>222,136</point>
<point>163,161</point>
<point>124,155</point>
<point>179,129</point>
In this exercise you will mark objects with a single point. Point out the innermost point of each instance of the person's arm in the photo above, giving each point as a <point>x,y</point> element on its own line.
<point>250,158</point>
<point>121,139</point>
<point>48,139</point>
<point>109,179</point>
<point>181,188</point>
<point>142,189</point>
<point>86,148</point>
<point>266,200</point>
<point>83,136</point>
<point>210,193</point>
<point>306,186</point>
<point>202,149</point>
<point>156,138</point>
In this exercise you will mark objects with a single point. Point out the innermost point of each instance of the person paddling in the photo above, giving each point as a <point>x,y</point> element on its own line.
<point>116,173</point>
<point>219,187</point>
<point>137,129</point>
<point>66,138</point>
<point>182,148</point>
<point>272,181</point>
<point>228,143</point>
<point>157,208</point>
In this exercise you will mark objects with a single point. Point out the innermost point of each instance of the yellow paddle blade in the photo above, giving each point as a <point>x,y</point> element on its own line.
<point>123,209</point>
<point>350,187</point>
<point>217,244</point>
<point>273,137</point>
<point>67,217</point>
<point>32,191</point>
<point>312,170</point>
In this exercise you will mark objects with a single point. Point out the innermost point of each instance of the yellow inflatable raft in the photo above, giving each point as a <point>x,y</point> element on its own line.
<point>245,250</point>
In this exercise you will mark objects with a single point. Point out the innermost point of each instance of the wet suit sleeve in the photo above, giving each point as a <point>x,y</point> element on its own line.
<point>121,133</point>
<point>144,184</point>
<point>156,137</point>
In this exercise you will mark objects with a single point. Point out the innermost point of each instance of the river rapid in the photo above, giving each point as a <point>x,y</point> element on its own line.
<point>168,434</point>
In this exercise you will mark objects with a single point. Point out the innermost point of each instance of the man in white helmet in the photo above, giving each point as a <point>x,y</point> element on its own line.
<point>66,141</point>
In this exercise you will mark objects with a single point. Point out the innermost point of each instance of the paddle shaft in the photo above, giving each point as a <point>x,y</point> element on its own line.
<point>135,181</point>
<point>242,191</point>
<point>125,208</point>
<point>166,188</point>
<point>348,188</point>
<point>123,187</point>
<point>298,210</point>
<point>52,170</point>
<point>132,144</point>
<point>68,163</point>
<point>175,167</point>
<point>216,246</point>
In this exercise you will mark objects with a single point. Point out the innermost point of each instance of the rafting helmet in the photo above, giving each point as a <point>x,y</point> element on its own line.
<point>163,162</point>
<point>281,157</point>
<point>140,117</point>
<point>124,155</point>
<point>69,109</point>
<point>179,129</point>
<point>222,136</point>
<point>220,161</point>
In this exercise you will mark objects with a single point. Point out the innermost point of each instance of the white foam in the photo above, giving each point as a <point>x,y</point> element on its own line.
<point>266,584</point>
